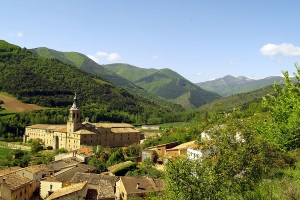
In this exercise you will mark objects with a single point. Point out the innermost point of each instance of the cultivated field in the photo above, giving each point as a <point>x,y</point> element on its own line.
<point>14,105</point>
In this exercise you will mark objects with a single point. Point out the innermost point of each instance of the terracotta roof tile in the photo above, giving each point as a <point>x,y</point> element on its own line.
<point>191,144</point>
<point>37,168</point>
<point>93,178</point>
<point>106,189</point>
<point>67,190</point>
<point>124,130</point>
<point>14,181</point>
<point>113,125</point>
<point>9,170</point>
<point>145,185</point>
<point>53,127</point>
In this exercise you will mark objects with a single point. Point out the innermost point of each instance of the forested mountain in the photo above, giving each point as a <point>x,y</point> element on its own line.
<point>85,63</point>
<point>165,83</point>
<point>52,83</point>
<point>238,101</point>
<point>161,83</point>
<point>229,85</point>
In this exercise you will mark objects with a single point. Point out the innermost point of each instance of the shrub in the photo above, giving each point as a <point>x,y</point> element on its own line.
<point>121,171</point>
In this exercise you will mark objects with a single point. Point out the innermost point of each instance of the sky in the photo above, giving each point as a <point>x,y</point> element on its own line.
<point>200,39</point>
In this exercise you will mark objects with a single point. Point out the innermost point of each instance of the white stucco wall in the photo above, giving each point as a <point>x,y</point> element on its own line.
<point>45,187</point>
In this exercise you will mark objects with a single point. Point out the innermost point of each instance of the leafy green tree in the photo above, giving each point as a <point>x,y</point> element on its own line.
<point>115,158</point>
<point>132,150</point>
<point>36,145</point>
<point>232,169</point>
<point>146,169</point>
<point>284,108</point>
<point>99,164</point>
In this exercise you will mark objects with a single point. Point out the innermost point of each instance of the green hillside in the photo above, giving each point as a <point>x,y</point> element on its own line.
<point>165,83</point>
<point>237,101</point>
<point>83,62</point>
<point>151,83</point>
<point>130,72</point>
<point>52,83</point>
<point>230,85</point>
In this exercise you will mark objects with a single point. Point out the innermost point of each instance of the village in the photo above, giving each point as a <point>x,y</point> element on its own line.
<point>70,176</point>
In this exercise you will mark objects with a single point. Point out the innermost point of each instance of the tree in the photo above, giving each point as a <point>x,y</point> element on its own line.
<point>100,165</point>
<point>115,158</point>
<point>232,169</point>
<point>36,145</point>
<point>132,150</point>
<point>284,108</point>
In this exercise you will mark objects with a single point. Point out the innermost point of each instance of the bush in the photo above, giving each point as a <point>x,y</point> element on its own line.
<point>121,171</point>
<point>49,148</point>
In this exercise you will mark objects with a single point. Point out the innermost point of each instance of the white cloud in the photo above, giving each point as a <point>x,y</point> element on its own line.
<point>108,56</point>
<point>20,34</point>
<point>199,74</point>
<point>93,58</point>
<point>113,56</point>
<point>284,49</point>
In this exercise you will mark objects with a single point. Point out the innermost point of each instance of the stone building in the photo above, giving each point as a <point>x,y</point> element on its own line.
<point>76,134</point>
<point>15,186</point>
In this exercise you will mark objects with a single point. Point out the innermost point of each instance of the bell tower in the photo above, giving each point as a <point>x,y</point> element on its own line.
<point>74,122</point>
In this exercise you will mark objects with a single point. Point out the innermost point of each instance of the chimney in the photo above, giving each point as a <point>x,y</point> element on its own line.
<point>137,185</point>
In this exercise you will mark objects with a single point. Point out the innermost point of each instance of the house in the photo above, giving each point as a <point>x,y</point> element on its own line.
<point>81,154</point>
<point>65,175</point>
<point>35,173</point>
<point>145,135</point>
<point>49,185</point>
<point>99,186</point>
<point>181,149</point>
<point>133,187</point>
<point>191,149</point>
<point>76,134</point>
<point>9,170</point>
<point>76,191</point>
<point>15,186</point>
<point>56,166</point>
<point>157,153</point>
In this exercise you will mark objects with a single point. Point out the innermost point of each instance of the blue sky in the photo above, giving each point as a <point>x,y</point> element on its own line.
<point>200,39</point>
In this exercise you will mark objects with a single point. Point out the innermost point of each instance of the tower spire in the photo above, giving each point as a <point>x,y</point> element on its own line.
<point>75,106</point>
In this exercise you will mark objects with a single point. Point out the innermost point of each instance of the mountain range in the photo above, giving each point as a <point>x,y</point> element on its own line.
<point>147,83</point>
<point>229,85</point>
<point>163,83</point>
<point>52,83</point>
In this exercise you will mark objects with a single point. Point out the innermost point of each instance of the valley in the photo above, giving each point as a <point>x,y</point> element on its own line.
<point>57,103</point>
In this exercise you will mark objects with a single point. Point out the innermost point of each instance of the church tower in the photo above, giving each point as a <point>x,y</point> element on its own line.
<point>74,122</point>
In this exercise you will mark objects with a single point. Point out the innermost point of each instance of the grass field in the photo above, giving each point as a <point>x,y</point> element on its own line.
<point>4,151</point>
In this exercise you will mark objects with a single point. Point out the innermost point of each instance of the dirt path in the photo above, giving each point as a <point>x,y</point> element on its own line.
<point>14,105</point>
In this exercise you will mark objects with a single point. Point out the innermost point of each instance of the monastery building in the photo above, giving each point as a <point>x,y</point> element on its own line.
<point>76,134</point>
